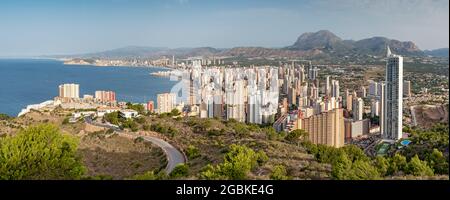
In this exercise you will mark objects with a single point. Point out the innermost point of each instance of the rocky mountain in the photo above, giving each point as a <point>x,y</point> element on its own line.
<point>443,52</point>
<point>377,46</point>
<point>322,43</point>
<point>322,40</point>
<point>329,43</point>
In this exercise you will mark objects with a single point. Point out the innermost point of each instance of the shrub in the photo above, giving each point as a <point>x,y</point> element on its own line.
<point>192,152</point>
<point>40,152</point>
<point>236,165</point>
<point>279,173</point>
<point>180,170</point>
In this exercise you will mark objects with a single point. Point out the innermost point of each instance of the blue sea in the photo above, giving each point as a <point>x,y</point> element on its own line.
<point>31,81</point>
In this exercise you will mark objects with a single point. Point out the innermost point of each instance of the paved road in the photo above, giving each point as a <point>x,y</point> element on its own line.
<point>174,156</point>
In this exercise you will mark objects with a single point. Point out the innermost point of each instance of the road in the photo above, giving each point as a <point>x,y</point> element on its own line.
<point>174,156</point>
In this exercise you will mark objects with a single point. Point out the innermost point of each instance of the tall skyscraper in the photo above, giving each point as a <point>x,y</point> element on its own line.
<point>407,88</point>
<point>358,108</point>
<point>373,88</point>
<point>393,103</point>
<point>327,86</point>
<point>335,89</point>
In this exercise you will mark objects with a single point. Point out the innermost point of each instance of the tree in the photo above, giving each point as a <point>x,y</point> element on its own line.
<point>363,170</point>
<point>112,117</point>
<point>382,165</point>
<point>174,112</point>
<point>398,163</point>
<point>40,152</point>
<point>355,153</point>
<point>65,121</point>
<point>179,171</point>
<point>192,152</point>
<point>4,116</point>
<point>279,173</point>
<point>236,165</point>
<point>438,162</point>
<point>151,175</point>
<point>341,166</point>
<point>296,135</point>
<point>418,167</point>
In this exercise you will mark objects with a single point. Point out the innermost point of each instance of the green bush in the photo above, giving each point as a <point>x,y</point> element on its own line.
<point>65,121</point>
<point>192,152</point>
<point>296,135</point>
<point>151,175</point>
<point>180,170</point>
<point>238,162</point>
<point>40,152</point>
<point>279,173</point>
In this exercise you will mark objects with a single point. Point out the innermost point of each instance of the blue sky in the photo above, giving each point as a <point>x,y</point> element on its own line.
<point>30,27</point>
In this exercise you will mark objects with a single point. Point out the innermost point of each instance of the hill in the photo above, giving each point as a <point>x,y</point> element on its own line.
<point>443,52</point>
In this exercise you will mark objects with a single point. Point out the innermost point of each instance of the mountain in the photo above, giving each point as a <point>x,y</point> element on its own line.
<point>323,40</point>
<point>443,52</point>
<point>320,44</point>
<point>329,43</point>
<point>377,46</point>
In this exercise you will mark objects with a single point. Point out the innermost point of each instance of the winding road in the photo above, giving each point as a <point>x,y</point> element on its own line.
<point>174,156</point>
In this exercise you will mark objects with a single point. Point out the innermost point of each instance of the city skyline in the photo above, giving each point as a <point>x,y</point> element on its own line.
<point>69,27</point>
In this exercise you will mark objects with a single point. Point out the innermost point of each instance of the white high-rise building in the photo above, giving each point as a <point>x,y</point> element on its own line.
<point>375,108</point>
<point>393,103</point>
<point>166,102</point>
<point>335,89</point>
<point>358,108</point>
<point>407,88</point>
<point>69,90</point>
<point>373,88</point>
<point>327,86</point>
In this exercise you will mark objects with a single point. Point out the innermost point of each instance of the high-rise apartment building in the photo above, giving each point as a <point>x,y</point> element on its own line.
<point>105,96</point>
<point>325,128</point>
<point>166,102</point>
<point>69,90</point>
<point>393,100</point>
<point>407,88</point>
<point>358,108</point>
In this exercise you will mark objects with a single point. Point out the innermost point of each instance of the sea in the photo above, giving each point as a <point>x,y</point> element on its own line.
<point>32,81</point>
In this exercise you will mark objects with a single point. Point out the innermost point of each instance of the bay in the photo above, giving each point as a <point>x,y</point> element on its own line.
<point>32,81</point>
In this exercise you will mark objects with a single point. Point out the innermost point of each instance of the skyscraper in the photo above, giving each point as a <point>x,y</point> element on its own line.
<point>407,88</point>
<point>69,90</point>
<point>325,128</point>
<point>373,88</point>
<point>166,102</point>
<point>393,103</point>
<point>358,107</point>
<point>327,86</point>
<point>335,89</point>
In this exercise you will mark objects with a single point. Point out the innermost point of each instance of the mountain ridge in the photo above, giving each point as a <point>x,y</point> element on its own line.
<point>309,44</point>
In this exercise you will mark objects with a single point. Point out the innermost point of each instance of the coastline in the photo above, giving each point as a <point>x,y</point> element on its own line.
<point>106,63</point>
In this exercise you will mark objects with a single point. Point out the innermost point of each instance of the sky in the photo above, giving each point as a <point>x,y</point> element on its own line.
<point>48,27</point>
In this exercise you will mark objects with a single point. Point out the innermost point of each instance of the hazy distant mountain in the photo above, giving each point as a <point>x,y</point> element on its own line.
<point>318,44</point>
<point>443,52</point>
